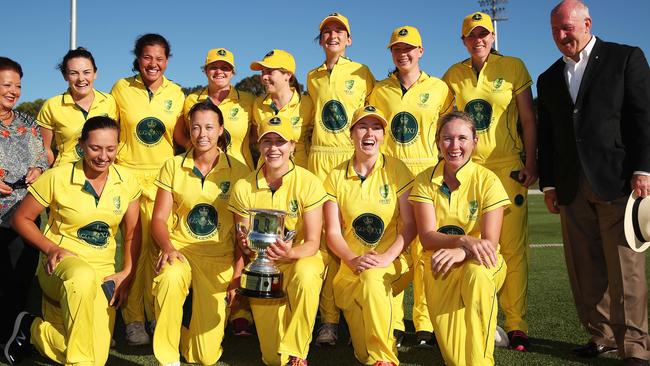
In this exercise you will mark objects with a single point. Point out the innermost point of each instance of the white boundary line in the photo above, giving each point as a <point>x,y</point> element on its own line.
<point>549,245</point>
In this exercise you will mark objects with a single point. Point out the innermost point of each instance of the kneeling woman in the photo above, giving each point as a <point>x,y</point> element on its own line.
<point>369,238</point>
<point>284,326</point>
<point>197,250</point>
<point>458,208</point>
<point>88,199</point>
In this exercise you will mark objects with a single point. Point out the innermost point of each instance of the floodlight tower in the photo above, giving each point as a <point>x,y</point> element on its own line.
<point>73,24</point>
<point>494,8</point>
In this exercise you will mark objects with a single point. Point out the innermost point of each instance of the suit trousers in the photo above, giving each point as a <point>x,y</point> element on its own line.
<point>607,278</point>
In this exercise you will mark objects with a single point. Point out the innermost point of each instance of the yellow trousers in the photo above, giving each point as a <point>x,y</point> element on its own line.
<point>139,304</point>
<point>77,323</point>
<point>201,342</point>
<point>284,326</point>
<point>513,296</point>
<point>463,306</point>
<point>367,302</point>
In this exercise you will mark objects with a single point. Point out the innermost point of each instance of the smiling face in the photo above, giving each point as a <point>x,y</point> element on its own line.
<point>367,136</point>
<point>275,150</point>
<point>80,75</point>
<point>275,80</point>
<point>219,74</point>
<point>456,142</point>
<point>205,130</point>
<point>479,43</point>
<point>571,29</point>
<point>100,149</point>
<point>334,38</point>
<point>10,89</point>
<point>406,57</point>
<point>153,63</point>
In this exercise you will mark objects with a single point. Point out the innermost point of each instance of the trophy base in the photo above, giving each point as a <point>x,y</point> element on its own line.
<point>261,285</point>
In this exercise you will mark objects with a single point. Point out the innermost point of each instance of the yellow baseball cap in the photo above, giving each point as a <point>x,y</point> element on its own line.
<point>369,110</point>
<point>276,59</point>
<point>474,20</point>
<point>406,34</point>
<point>339,18</point>
<point>279,125</point>
<point>220,54</point>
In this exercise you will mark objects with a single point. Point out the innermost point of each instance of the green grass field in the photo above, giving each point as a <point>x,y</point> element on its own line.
<point>554,327</point>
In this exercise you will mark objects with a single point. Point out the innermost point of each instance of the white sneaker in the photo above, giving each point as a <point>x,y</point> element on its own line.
<point>136,335</point>
<point>327,334</point>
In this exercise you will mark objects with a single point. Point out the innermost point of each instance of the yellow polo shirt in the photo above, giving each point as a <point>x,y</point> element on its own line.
<point>413,117</point>
<point>369,208</point>
<point>490,99</point>
<point>300,192</point>
<point>459,212</point>
<point>236,109</point>
<point>66,119</point>
<point>147,121</point>
<point>336,95</point>
<point>80,220</point>
<point>299,110</point>
<point>201,222</point>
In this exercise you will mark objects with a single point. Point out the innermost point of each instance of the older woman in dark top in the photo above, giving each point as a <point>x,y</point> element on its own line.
<point>22,160</point>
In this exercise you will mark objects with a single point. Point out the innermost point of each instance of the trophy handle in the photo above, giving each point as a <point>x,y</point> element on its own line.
<point>290,235</point>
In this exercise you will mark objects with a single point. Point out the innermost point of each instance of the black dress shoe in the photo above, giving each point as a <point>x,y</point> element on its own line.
<point>591,350</point>
<point>633,361</point>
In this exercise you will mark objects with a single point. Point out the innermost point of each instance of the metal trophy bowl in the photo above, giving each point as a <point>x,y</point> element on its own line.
<point>262,278</point>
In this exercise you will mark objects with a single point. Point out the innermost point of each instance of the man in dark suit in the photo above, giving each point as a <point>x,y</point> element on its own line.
<point>594,148</point>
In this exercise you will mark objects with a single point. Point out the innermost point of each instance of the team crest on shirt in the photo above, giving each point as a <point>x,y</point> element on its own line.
<point>349,84</point>
<point>384,192</point>
<point>117,205</point>
<point>424,97</point>
<point>224,187</point>
<point>168,105</point>
<point>150,130</point>
<point>473,210</point>
<point>293,208</point>
<point>233,112</point>
<point>96,234</point>
<point>295,120</point>
<point>78,150</point>
<point>404,128</point>
<point>369,228</point>
<point>497,83</point>
<point>451,230</point>
<point>202,221</point>
<point>333,116</point>
<point>481,112</point>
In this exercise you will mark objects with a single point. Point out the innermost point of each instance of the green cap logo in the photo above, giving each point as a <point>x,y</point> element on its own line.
<point>476,17</point>
<point>403,32</point>
<point>269,54</point>
<point>334,116</point>
<point>221,52</point>
<point>96,233</point>
<point>369,228</point>
<point>481,112</point>
<point>275,121</point>
<point>202,220</point>
<point>150,130</point>
<point>404,127</point>
<point>370,108</point>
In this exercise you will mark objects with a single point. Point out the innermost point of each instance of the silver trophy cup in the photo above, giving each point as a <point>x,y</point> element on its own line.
<point>262,278</point>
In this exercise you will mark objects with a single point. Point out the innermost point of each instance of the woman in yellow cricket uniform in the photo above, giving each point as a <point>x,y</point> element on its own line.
<point>62,116</point>
<point>235,105</point>
<point>495,91</point>
<point>458,208</point>
<point>413,101</point>
<point>284,326</point>
<point>369,238</point>
<point>88,200</point>
<point>198,249</point>
<point>283,99</point>
<point>337,88</point>
<point>149,107</point>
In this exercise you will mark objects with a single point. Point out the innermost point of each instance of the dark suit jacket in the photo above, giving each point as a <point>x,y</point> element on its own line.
<point>606,133</point>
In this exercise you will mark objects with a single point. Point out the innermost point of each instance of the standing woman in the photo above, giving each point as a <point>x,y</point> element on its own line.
<point>284,99</point>
<point>197,250</point>
<point>495,91</point>
<point>88,200</point>
<point>19,137</point>
<point>149,107</point>
<point>236,105</point>
<point>369,239</point>
<point>284,326</point>
<point>458,207</point>
<point>413,101</point>
<point>62,116</point>
<point>337,88</point>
